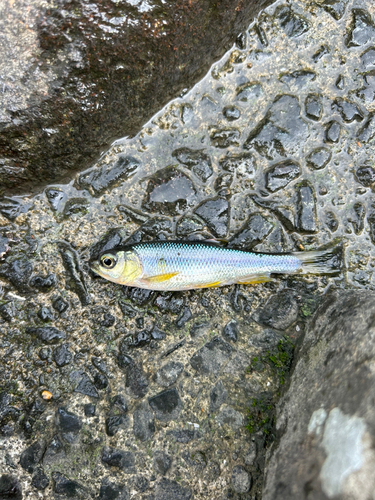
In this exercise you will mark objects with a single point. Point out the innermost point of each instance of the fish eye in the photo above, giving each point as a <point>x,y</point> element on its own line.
<point>108,261</point>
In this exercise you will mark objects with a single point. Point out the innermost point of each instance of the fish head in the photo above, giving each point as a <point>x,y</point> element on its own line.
<point>122,267</point>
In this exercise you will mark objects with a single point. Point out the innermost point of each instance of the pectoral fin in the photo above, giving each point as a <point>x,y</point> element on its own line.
<point>159,278</point>
<point>254,279</point>
<point>209,285</point>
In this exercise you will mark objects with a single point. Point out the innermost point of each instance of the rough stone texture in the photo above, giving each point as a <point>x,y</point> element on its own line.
<point>103,54</point>
<point>330,426</point>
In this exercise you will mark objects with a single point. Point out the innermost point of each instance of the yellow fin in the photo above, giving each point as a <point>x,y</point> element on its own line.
<point>254,279</point>
<point>160,277</point>
<point>209,285</point>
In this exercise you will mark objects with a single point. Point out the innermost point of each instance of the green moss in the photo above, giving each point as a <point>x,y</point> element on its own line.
<point>278,359</point>
<point>261,416</point>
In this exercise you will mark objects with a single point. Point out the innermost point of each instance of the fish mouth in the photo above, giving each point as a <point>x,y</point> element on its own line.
<point>94,266</point>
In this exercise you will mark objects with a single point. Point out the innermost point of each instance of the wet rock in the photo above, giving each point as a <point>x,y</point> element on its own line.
<point>100,179</point>
<point>69,424</point>
<point>358,217</point>
<point>279,312</point>
<point>211,357</point>
<point>56,198</point>
<point>361,30</point>
<point>280,131</point>
<point>230,331</point>
<point>123,460</point>
<point>231,113</point>
<point>300,78</point>
<point>114,423</point>
<point>365,175</point>
<point>184,317</point>
<point>46,334</point>
<point>75,280</point>
<point>89,410</point>
<point>229,416</point>
<point>197,161</point>
<point>143,422</point>
<point>55,452</point>
<point>44,313</point>
<point>18,273</point>
<point>173,303</point>
<point>280,175</point>
<point>156,225</point>
<point>189,224</point>
<point>348,110</point>
<point>306,209</point>
<point>367,132</point>
<point>371,223</point>
<point>60,305</point>
<point>321,52</point>
<point>127,310</point>
<point>112,491</point>
<point>31,457</point>
<point>215,213</point>
<point>136,381</point>
<point>284,214</point>
<point>7,311</point>
<point>10,488</point>
<point>323,428</point>
<point>333,131</point>
<point>334,7</point>
<point>242,164</point>
<point>241,479</point>
<point>62,356</point>
<point>69,488</point>
<point>254,231</point>
<point>86,387</point>
<point>367,92</point>
<point>161,462</point>
<point>140,483</point>
<point>184,435</point>
<point>224,138</point>
<point>169,373</point>
<point>12,208</point>
<point>76,206</point>
<point>249,92</point>
<point>314,107</point>
<point>293,24</point>
<point>318,158</point>
<point>196,460</point>
<point>218,396</point>
<point>331,221</point>
<point>340,82</point>
<point>169,192</point>
<point>166,405</point>
<point>165,489</point>
<point>368,57</point>
<point>43,284</point>
<point>39,480</point>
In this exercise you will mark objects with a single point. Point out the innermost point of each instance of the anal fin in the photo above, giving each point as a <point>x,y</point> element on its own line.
<point>254,279</point>
<point>159,278</point>
<point>209,285</point>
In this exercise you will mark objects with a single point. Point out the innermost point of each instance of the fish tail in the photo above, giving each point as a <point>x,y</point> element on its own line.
<point>328,260</point>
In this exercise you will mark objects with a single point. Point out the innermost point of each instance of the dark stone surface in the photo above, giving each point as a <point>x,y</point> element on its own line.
<point>43,283</point>
<point>61,355</point>
<point>86,387</point>
<point>215,213</point>
<point>218,396</point>
<point>165,489</point>
<point>225,137</point>
<point>279,132</point>
<point>169,373</point>
<point>335,7</point>
<point>68,424</point>
<point>365,175</point>
<point>254,231</point>
<point>136,381</point>
<point>143,422</point>
<point>314,107</point>
<point>60,305</point>
<point>241,479</point>
<point>45,314</point>
<point>306,209</point>
<point>166,405</point>
<point>31,457</point>
<point>68,487</point>
<point>161,462</point>
<point>89,410</point>
<point>318,158</point>
<point>196,160</point>
<point>114,423</point>
<point>280,175</point>
<point>112,491</point>
<point>211,357</point>
<point>361,30</point>
<point>358,217</point>
<point>348,110</point>
<point>279,312</point>
<point>10,488</point>
<point>230,331</point>
<point>57,133</point>
<point>75,278</point>
<point>333,131</point>
<point>169,192</point>
<point>184,435</point>
<point>293,24</point>
<point>123,460</point>
<point>321,430</point>
<point>39,480</point>
<point>18,273</point>
<point>231,113</point>
<point>47,334</point>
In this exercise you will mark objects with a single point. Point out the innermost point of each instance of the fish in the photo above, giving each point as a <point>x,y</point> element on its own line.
<point>188,265</point>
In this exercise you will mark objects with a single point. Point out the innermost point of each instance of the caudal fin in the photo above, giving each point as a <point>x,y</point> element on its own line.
<point>328,260</point>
